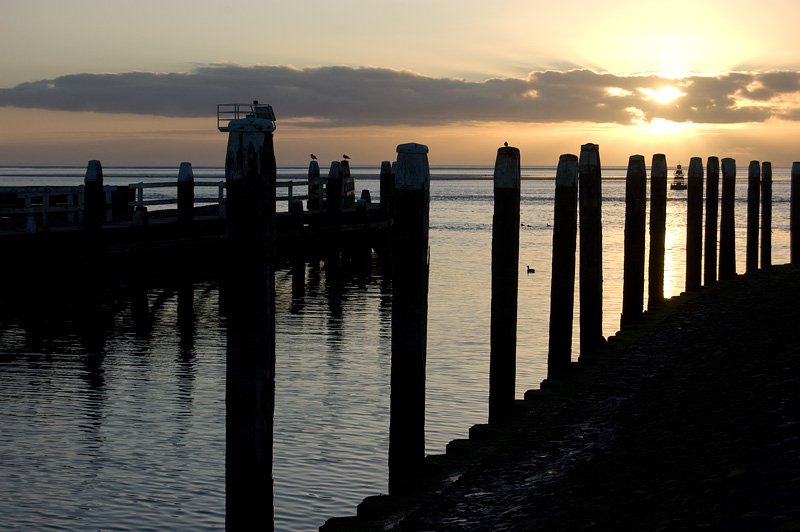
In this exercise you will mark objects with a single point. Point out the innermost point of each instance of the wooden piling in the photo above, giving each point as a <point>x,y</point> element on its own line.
<point>727,223</point>
<point>93,197</point>
<point>658,231</point>
<point>712,211</point>
<point>314,187</point>
<point>766,214</point>
<point>409,316</point>
<point>386,186</point>
<point>185,198</point>
<point>333,190</point>
<point>505,276</point>
<point>694,225</point>
<point>753,201</point>
<point>562,283</point>
<point>794,215</point>
<point>633,262</point>
<point>591,249</point>
<point>250,173</point>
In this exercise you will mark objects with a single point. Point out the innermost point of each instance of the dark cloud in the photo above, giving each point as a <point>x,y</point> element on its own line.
<point>345,96</point>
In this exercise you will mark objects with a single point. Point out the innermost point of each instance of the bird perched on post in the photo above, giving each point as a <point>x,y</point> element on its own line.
<point>313,156</point>
<point>505,144</point>
<point>345,157</point>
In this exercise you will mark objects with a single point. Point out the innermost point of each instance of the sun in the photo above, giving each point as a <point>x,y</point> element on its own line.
<point>662,95</point>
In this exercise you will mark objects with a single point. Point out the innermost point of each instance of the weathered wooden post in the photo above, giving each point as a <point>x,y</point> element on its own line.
<point>591,249</point>
<point>314,186</point>
<point>386,186</point>
<point>333,190</point>
<point>794,215</point>
<point>753,201</point>
<point>333,206</point>
<point>727,223</point>
<point>250,173</point>
<point>712,210</point>
<point>694,225</point>
<point>766,214</point>
<point>562,283</point>
<point>94,200</point>
<point>658,231</point>
<point>633,262</point>
<point>409,316</point>
<point>185,198</point>
<point>505,275</point>
<point>348,192</point>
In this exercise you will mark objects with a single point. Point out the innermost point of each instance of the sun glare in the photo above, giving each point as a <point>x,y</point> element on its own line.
<point>663,94</point>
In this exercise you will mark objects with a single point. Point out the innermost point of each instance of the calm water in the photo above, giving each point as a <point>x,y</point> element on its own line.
<point>127,431</point>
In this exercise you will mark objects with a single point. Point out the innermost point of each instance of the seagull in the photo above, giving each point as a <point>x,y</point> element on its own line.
<point>313,156</point>
<point>505,144</point>
<point>345,157</point>
<point>530,270</point>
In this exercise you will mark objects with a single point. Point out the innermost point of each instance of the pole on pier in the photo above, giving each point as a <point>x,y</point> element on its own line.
<point>766,214</point>
<point>562,283</point>
<point>633,263</point>
<point>505,277</point>
<point>658,231</point>
<point>794,215</point>
<point>591,249</point>
<point>386,188</point>
<point>185,198</point>
<point>93,198</point>
<point>712,210</point>
<point>410,255</point>
<point>753,200</point>
<point>314,186</point>
<point>727,223</point>
<point>333,190</point>
<point>250,173</point>
<point>333,206</point>
<point>694,225</point>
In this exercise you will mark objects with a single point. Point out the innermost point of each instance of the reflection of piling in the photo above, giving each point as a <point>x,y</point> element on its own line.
<point>633,265</point>
<point>185,199</point>
<point>505,273</point>
<point>727,224</point>
<point>794,215</point>
<point>562,284</point>
<point>766,214</point>
<point>591,249</point>
<point>712,210</point>
<point>694,225</point>
<point>658,230</point>
<point>250,382</point>
<point>409,316</point>
<point>753,200</point>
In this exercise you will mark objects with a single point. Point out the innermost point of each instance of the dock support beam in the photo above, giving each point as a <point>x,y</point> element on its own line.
<point>766,214</point>
<point>633,262</point>
<point>694,225</point>
<point>658,231</point>
<point>505,277</point>
<point>712,211</point>
<point>411,265</point>
<point>727,223</point>
<point>591,249</point>
<point>753,201</point>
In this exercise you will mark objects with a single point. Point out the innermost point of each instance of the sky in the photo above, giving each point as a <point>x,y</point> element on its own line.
<point>139,82</point>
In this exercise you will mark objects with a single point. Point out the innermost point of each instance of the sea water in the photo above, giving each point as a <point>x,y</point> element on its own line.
<point>131,435</point>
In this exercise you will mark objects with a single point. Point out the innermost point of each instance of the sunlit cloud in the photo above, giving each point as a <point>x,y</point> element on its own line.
<point>342,96</point>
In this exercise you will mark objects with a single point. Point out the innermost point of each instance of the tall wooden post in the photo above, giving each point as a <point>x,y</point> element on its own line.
<point>712,211</point>
<point>633,262</point>
<point>766,214</point>
<point>727,223</point>
<point>753,201</point>
<point>562,284</point>
<point>409,316</point>
<point>314,186</point>
<point>794,215</point>
<point>94,199</point>
<point>386,187</point>
<point>505,277</point>
<point>185,198</point>
<point>333,190</point>
<point>658,230</point>
<point>694,225</point>
<point>591,248</point>
<point>250,173</point>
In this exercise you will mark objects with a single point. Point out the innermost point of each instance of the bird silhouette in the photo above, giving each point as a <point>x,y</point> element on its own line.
<point>530,270</point>
<point>313,156</point>
<point>345,157</point>
<point>505,144</point>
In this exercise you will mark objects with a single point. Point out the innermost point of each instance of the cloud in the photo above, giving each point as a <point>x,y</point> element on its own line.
<point>369,96</point>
